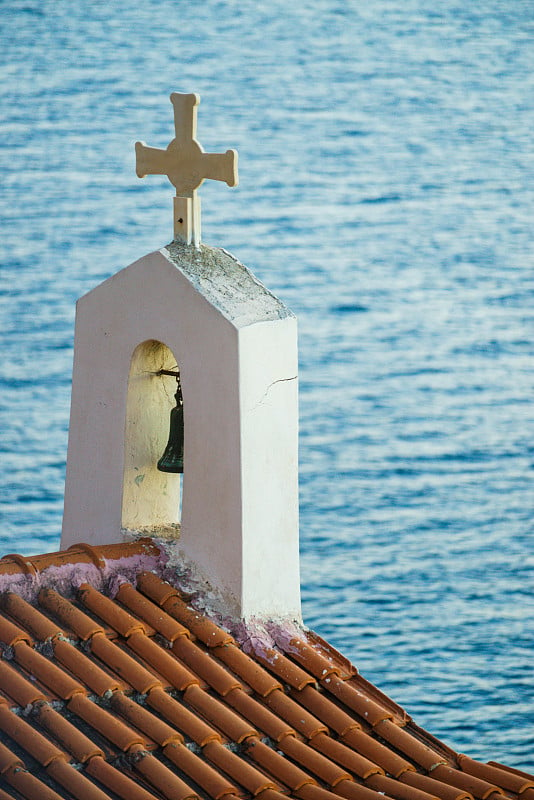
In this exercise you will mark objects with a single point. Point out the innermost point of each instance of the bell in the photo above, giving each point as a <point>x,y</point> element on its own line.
<point>172,459</point>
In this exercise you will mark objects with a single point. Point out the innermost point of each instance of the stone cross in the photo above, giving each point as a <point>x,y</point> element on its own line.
<point>187,166</point>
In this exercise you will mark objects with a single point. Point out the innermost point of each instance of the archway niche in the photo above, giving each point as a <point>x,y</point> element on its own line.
<point>151,500</point>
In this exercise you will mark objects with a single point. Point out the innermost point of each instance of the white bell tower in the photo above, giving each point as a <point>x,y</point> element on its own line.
<point>200,310</point>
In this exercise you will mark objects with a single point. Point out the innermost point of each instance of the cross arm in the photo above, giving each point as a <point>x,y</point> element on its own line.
<point>185,115</point>
<point>150,160</point>
<point>221,167</point>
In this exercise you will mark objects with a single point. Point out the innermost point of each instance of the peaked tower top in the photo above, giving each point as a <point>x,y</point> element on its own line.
<point>187,166</point>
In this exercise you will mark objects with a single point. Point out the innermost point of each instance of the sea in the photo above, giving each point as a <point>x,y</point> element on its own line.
<point>387,197</point>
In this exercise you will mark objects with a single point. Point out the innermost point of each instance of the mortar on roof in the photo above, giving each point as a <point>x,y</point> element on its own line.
<point>227,283</point>
<point>256,635</point>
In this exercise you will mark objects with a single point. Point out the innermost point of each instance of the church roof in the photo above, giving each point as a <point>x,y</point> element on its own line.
<point>113,685</point>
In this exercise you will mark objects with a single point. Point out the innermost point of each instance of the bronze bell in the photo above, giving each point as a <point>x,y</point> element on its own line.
<point>172,459</point>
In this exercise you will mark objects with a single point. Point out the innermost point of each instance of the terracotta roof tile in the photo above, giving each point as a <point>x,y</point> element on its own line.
<point>288,672</point>
<point>150,613</point>
<point>247,776</point>
<point>378,753</point>
<point>317,764</point>
<point>432,786</point>
<point>75,782</point>
<point>201,627</point>
<point>144,697</point>
<point>27,785</point>
<point>23,692</point>
<point>29,617</point>
<point>141,719</point>
<point>97,679</point>
<point>78,745</point>
<point>328,712</point>
<point>162,778</point>
<point>162,661</point>
<point>53,759</point>
<point>122,664</point>
<point>218,714</point>
<point>275,764</point>
<point>115,616</point>
<point>119,783</point>
<point>106,724</point>
<point>19,564</point>
<point>211,781</point>
<point>71,618</point>
<point>506,779</point>
<point>314,792</point>
<point>261,717</point>
<point>39,746</point>
<point>49,674</point>
<point>11,634</point>
<point>338,752</point>
<point>477,786</point>
<point>334,656</point>
<point>355,791</point>
<point>169,598</point>
<point>157,589</point>
<point>293,713</point>
<point>512,770</point>
<point>8,759</point>
<point>365,687</point>
<point>312,660</point>
<point>249,670</point>
<point>408,745</point>
<point>386,785</point>
<point>526,794</point>
<point>188,723</point>
<point>366,708</point>
<point>201,663</point>
<point>271,794</point>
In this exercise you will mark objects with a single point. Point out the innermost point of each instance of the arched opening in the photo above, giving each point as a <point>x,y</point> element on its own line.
<point>151,500</point>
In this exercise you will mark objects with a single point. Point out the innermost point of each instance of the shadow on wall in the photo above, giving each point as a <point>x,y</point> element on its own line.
<point>151,500</point>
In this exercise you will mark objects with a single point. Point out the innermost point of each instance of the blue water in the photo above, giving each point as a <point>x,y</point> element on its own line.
<point>387,195</point>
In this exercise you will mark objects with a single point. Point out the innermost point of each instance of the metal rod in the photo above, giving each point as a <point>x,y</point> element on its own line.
<point>168,372</point>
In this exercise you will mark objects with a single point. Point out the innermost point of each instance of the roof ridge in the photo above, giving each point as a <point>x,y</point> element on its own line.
<point>102,566</point>
<point>78,553</point>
